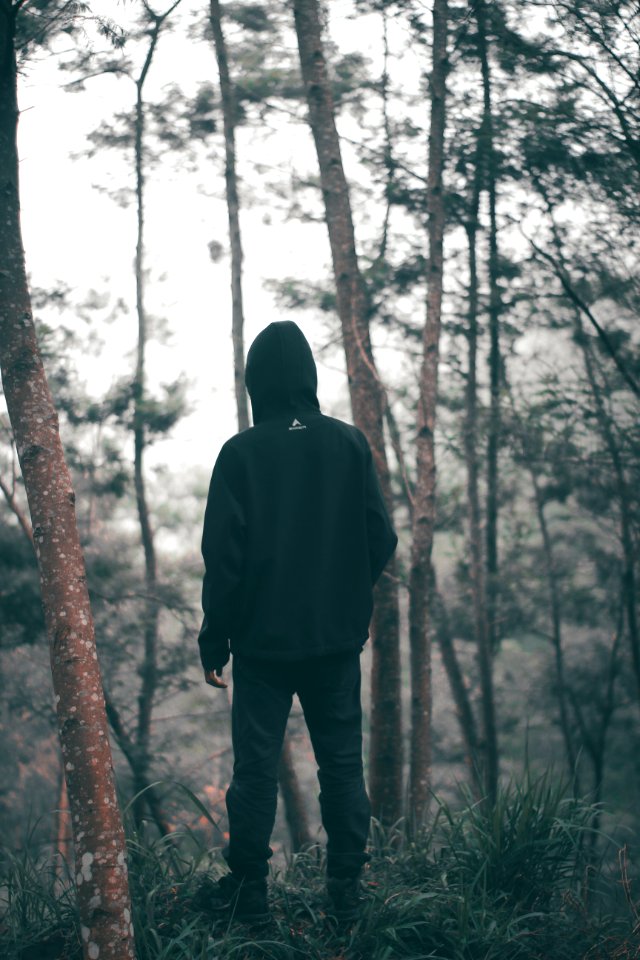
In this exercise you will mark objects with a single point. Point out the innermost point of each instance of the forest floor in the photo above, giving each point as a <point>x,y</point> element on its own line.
<point>526,880</point>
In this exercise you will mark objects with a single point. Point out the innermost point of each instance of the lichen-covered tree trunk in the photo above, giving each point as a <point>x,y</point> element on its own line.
<point>367,404</point>
<point>227,96</point>
<point>103,893</point>
<point>424,501</point>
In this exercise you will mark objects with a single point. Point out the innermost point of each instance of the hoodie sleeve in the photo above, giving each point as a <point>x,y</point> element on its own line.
<point>223,541</point>
<point>381,535</point>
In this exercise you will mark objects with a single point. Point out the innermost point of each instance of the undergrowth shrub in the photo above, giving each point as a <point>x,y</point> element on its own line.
<point>514,882</point>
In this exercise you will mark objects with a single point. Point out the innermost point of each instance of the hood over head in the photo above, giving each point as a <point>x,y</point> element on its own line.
<point>281,375</point>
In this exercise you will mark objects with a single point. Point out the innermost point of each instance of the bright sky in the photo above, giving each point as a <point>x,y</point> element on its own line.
<point>75,233</point>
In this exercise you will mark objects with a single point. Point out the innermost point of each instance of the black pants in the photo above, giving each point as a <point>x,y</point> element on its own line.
<point>329,692</point>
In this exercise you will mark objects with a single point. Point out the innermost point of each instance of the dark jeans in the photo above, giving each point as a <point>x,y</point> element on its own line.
<point>329,692</point>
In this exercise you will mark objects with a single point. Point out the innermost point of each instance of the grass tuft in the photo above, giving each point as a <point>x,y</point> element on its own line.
<point>507,883</point>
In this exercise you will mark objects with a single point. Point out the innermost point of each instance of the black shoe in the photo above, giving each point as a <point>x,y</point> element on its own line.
<point>240,899</point>
<point>344,896</point>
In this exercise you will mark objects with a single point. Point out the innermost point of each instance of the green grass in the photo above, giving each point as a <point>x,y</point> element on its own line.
<point>517,882</point>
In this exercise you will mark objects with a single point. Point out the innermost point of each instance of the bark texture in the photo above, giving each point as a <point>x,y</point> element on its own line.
<point>367,404</point>
<point>228,98</point>
<point>103,894</point>
<point>424,501</point>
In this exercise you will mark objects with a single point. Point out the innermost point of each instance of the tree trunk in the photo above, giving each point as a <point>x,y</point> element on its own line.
<point>424,501</point>
<point>555,606</point>
<point>450,660</point>
<point>291,792</point>
<point>487,152</point>
<point>128,747</point>
<point>478,586</point>
<point>556,627</point>
<point>595,742</point>
<point>227,96</point>
<point>62,823</point>
<point>103,893</point>
<point>16,509</point>
<point>367,404</point>
<point>459,693</point>
<point>149,666</point>
<point>294,803</point>
<point>470,431</point>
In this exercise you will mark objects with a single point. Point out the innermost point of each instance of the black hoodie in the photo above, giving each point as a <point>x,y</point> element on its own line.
<point>295,532</point>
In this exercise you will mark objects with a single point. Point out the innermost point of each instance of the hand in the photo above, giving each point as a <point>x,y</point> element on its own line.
<point>214,679</point>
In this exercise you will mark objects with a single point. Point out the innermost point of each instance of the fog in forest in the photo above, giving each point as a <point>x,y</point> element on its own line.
<point>463,259</point>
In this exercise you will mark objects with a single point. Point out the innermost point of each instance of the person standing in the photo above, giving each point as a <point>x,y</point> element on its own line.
<point>296,534</point>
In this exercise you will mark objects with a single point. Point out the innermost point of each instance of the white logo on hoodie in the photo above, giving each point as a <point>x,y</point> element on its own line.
<point>296,425</point>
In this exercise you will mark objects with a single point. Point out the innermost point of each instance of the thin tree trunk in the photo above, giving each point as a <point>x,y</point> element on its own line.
<point>424,501</point>
<point>396,446</point>
<point>149,667</point>
<point>486,149</point>
<point>291,792</point>
<point>227,95</point>
<point>450,660</point>
<point>122,737</point>
<point>556,627</point>
<point>389,162</point>
<point>555,606</point>
<point>64,840</point>
<point>294,802</point>
<point>488,156</point>
<point>478,591</point>
<point>367,404</point>
<point>103,893</point>
<point>595,744</point>
<point>16,509</point>
<point>459,693</point>
<point>128,747</point>
<point>148,673</point>
<point>601,743</point>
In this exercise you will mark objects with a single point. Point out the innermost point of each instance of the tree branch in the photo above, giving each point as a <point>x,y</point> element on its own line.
<point>577,300</point>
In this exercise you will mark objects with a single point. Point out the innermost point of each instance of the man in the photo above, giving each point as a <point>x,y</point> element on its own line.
<point>296,534</point>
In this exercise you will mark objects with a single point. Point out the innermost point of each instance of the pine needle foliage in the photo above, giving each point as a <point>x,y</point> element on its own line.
<point>515,882</point>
